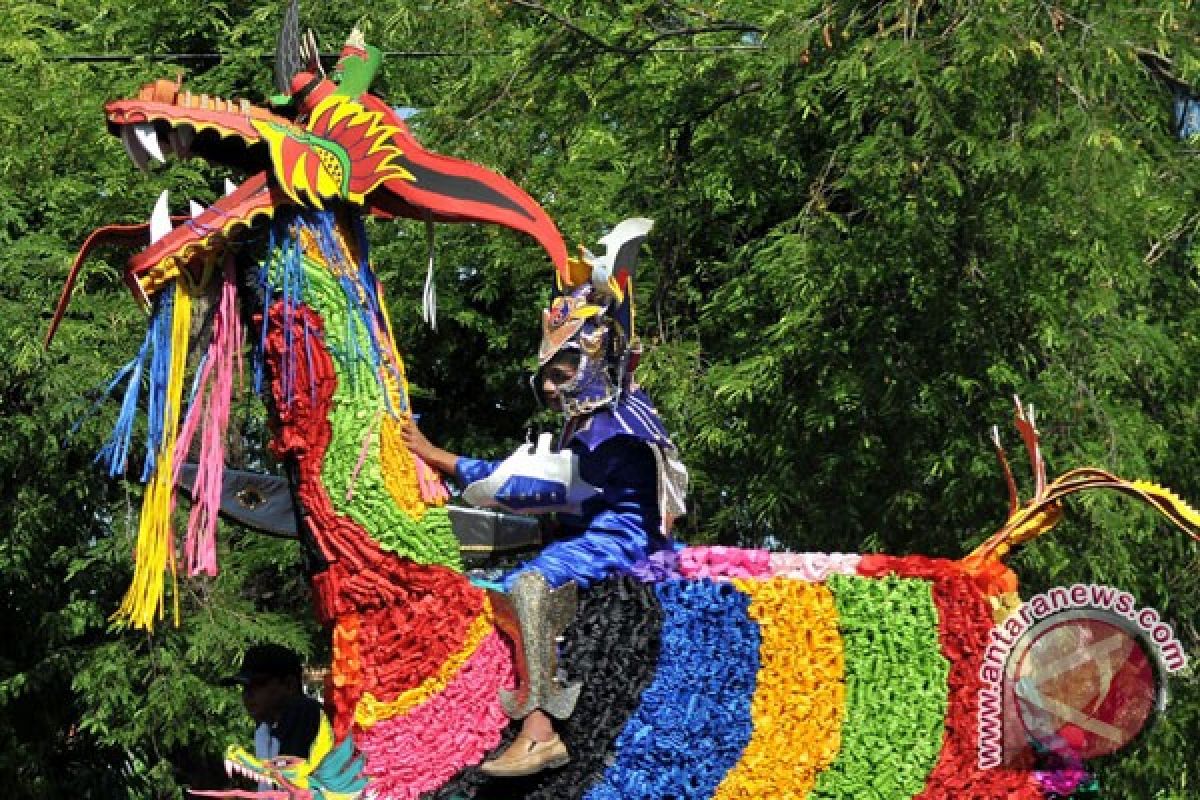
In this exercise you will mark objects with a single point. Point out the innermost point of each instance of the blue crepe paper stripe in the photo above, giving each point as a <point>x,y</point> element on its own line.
<point>694,719</point>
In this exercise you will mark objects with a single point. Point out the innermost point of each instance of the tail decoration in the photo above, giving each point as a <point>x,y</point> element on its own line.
<point>1027,521</point>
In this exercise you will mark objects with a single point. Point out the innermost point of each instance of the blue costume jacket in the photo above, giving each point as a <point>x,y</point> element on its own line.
<point>619,526</point>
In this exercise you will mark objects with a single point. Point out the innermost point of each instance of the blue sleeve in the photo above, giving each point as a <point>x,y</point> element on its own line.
<point>469,470</point>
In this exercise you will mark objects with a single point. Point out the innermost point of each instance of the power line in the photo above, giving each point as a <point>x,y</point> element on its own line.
<point>129,58</point>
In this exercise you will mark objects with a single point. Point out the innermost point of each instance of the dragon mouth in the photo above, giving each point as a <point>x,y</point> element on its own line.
<point>236,767</point>
<point>163,121</point>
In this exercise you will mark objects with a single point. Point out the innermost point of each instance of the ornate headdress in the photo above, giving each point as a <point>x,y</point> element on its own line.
<point>591,313</point>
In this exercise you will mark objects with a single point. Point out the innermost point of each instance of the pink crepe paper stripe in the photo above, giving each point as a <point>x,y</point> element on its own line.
<point>718,562</point>
<point>416,753</point>
<point>362,456</point>
<point>814,567</point>
<point>212,403</point>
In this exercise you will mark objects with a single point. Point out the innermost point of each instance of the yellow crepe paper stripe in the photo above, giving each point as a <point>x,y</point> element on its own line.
<point>799,699</point>
<point>396,453</point>
<point>370,710</point>
<point>143,603</point>
<point>398,466</point>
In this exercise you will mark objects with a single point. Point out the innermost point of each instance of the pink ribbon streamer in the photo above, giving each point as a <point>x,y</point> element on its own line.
<point>433,489</point>
<point>212,403</point>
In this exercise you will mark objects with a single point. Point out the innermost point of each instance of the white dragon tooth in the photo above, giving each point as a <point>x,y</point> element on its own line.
<point>196,208</point>
<point>160,220</point>
<point>133,147</point>
<point>228,768</point>
<point>230,187</point>
<point>148,139</point>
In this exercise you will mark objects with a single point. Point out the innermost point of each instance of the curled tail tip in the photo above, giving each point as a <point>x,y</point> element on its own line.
<point>1178,510</point>
<point>1039,516</point>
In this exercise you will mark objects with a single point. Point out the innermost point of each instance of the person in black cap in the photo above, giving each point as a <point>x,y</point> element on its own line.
<point>273,694</point>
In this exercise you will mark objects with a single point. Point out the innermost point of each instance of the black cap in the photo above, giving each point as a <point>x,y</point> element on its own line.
<point>265,661</point>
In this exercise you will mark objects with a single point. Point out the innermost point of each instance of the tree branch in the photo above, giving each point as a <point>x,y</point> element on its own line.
<point>568,24</point>
<point>719,26</point>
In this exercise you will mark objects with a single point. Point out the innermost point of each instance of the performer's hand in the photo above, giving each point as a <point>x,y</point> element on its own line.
<point>427,451</point>
<point>417,442</point>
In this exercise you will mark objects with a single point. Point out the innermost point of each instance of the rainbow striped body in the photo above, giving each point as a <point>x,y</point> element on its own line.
<point>855,677</point>
<point>748,675</point>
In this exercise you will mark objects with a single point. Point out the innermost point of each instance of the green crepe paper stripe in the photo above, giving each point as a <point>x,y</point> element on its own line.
<point>896,689</point>
<point>358,405</point>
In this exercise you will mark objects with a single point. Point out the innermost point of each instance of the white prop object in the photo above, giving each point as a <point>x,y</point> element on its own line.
<point>536,479</point>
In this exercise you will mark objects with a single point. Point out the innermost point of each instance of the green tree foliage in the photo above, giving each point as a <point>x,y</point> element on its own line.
<point>875,223</point>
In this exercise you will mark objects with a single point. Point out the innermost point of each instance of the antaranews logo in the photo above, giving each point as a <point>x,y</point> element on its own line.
<point>1079,668</point>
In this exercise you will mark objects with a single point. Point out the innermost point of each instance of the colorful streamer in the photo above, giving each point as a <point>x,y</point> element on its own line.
<point>211,403</point>
<point>155,552</point>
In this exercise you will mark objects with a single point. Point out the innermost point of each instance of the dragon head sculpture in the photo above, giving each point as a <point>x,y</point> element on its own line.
<point>324,139</point>
<point>331,772</point>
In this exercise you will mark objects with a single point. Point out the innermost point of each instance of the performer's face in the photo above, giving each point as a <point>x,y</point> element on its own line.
<point>558,372</point>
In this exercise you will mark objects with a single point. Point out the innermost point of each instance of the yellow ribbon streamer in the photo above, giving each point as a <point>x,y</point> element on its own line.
<point>143,603</point>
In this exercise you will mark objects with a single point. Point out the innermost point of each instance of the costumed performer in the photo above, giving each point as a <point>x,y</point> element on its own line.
<point>614,479</point>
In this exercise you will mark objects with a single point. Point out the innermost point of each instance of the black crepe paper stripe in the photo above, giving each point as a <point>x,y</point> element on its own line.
<point>613,647</point>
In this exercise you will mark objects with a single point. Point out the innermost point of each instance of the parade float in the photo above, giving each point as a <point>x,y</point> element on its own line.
<point>705,672</point>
